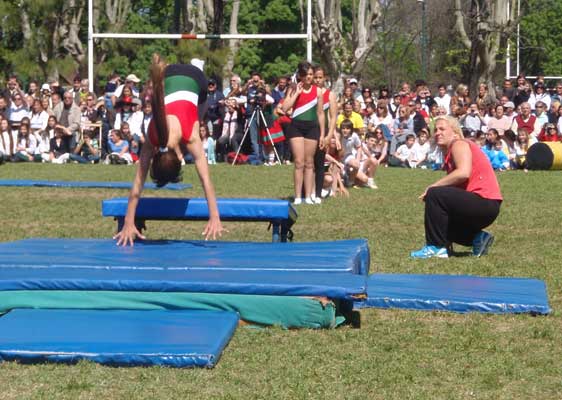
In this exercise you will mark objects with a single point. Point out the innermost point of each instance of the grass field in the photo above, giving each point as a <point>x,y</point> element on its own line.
<point>395,355</point>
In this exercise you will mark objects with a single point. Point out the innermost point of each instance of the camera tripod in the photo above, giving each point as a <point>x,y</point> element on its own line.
<point>257,113</point>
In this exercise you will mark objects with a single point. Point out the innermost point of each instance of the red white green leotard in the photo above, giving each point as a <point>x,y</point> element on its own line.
<point>185,88</point>
<point>304,108</point>
<point>276,130</point>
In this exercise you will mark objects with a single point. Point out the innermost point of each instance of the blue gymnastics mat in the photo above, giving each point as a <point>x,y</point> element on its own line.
<point>117,338</point>
<point>457,293</point>
<point>83,185</point>
<point>330,269</point>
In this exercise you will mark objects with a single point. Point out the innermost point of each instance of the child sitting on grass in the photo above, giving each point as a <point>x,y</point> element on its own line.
<point>404,153</point>
<point>353,156</point>
<point>334,169</point>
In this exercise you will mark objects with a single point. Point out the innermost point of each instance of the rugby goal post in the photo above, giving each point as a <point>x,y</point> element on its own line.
<point>185,36</point>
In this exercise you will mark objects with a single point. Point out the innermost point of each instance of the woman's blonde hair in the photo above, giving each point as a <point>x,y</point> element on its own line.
<point>452,122</point>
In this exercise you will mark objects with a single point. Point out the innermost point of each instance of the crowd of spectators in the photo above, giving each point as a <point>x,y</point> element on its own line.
<point>244,122</point>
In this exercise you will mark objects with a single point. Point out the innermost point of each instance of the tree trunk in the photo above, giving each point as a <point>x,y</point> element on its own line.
<point>337,52</point>
<point>492,26</point>
<point>233,44</point>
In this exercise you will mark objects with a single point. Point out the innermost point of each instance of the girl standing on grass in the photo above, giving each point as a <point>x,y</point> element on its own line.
<point>179,93</point>
<point>306,130</point>
<point>330,107</point>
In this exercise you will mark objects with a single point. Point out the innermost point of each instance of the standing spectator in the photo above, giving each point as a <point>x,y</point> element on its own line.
<point>553,112</point>
<point>76,89</point>
<point>558,95</point>
<point>124,108</point>
<point>12,87</point>
<point>110,88</point>
<point>406,94</point>
<point>523,91</point>
<point>255,92</point>
<point>461,97</point>
<point>215,109</point>
<point>365,97</point>
<point>526,121</point>
<point>18,110</point>
<point>4,110</point>
<point>33,90</point>
<point>230,137</point>
<point>279,91</point>
<point>507,90</point>
<point>234,83</point>
<point>443,99</point>
<point>484,98</point>
<point>68,114</point>
<point>539,95</point>
<point>394,105</point>
<point>131,82</point>
<point>354,86</point>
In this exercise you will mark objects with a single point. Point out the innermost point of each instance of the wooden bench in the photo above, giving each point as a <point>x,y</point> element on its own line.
<point>279,213</point>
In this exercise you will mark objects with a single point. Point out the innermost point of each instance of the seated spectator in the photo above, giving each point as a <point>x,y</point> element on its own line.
<point>18,110</point>
<point>422,149</point>
<point>523,91</point>
<point>44,136</point>
<point>461,98</point>
<point>26,144</point>
<point>394,105</point>
<point>132,141</point>
<point>357,168</point>
<point>418,115</point>
<point>541,113</point>
<point>4,109</point>
<point>380,148</point>
<point>7,141</point>
<point>549,134</point>
<point>473,121</point>
<point>557,96</point>
<point>75,90</point>
<point>138,123</point>
<point>424,98</point>
<point>365,97</point>
<point>403,126</point>
<point>59,147</point>
<point>527,121</point>
<point>68,115</point>
<point>500,122</point>
<point>405,155</point>
<point>46,104</point>
<point>346,97</point>
<point>352,116</point>
<point>522,144</point>
<point>118,148</point>
<point>334,169</point>
<point>553,112</point>
<point>33,89</point>
<point>87,150</point>
<point>38,117</point>
<point>381,116</point>
<point>497,157</point>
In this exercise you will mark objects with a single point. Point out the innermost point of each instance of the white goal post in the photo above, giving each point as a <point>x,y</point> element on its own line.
<point>186,36</point>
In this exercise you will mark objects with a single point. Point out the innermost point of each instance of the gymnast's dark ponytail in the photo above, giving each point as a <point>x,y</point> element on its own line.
<point>166,167</point>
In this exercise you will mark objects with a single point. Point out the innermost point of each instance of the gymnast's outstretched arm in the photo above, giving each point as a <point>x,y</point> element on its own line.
<point>195,147</point>
<point>129,232</point>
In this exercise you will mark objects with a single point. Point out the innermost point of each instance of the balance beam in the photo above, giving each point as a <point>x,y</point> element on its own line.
<point>279,213</point>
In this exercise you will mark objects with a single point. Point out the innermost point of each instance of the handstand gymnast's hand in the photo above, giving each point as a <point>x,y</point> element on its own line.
<point>179,91</point>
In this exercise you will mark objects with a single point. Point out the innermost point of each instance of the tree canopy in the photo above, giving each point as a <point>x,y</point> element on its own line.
<point>375,40</point>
